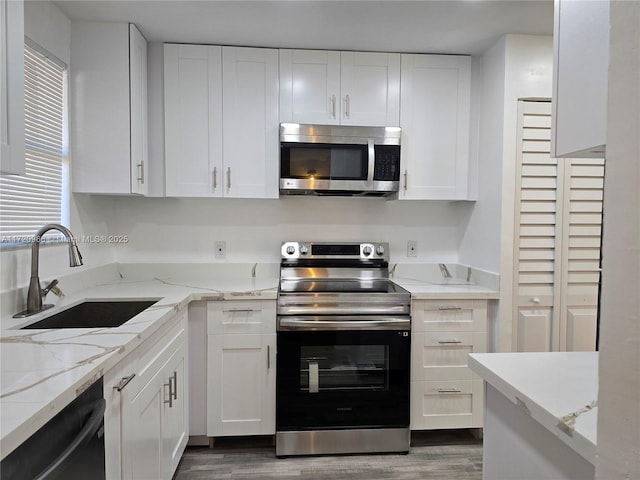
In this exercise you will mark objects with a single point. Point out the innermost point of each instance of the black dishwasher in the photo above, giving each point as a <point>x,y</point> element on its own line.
<point>70,446</point>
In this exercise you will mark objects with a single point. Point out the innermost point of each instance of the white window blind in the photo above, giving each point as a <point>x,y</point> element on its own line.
<point>29,201</point>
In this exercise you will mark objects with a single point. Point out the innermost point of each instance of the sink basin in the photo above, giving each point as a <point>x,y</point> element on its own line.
<point>94,315</point>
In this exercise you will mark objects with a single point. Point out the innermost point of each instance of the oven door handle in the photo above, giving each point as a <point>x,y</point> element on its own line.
<point>343,323</point>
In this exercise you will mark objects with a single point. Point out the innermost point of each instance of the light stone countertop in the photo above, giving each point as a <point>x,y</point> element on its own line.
<point>44,370</point>
<point>557,389</point>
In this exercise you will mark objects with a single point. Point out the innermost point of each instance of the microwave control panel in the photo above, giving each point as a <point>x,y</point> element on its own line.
<point>387,163</point>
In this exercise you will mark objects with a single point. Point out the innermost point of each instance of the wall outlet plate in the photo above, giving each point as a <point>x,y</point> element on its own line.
<point>412,248</point>
<point>221,248</point>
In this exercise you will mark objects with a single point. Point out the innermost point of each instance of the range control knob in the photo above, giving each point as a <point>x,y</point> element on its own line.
<point>380,250</point>
<point>304,249</point>
<point>291,249</point>
<point>366,251</point>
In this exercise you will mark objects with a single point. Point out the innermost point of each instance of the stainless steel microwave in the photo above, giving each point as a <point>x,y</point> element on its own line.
<point>339,160</point>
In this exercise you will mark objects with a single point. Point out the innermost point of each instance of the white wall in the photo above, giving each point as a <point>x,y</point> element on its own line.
<point>517,66</point>
<point>480,244</point>
<point>50,28</point>
<point>619,394</point>
<point>184,230</point>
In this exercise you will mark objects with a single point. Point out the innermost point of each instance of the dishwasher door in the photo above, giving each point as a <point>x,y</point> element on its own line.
<point>70,446</point>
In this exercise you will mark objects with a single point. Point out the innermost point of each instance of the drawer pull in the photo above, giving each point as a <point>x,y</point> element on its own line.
<point>449,390</point>
<point>124,382</point>
<point>175,384</point>
<point>170,401</point>
<point>449,341</point>
<point>451,307</point>
<point>236,310</point>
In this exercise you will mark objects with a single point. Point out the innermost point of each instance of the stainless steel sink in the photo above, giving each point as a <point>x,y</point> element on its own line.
<point>98,314</point>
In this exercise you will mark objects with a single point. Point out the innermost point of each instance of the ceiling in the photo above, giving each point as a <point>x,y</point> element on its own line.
<point>450,26</point>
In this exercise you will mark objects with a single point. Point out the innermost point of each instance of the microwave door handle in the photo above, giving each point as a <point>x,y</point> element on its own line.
<point>372,161</point>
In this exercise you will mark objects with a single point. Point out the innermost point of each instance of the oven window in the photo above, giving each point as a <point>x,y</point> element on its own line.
<point>344,367</point>
<point>324,162</point>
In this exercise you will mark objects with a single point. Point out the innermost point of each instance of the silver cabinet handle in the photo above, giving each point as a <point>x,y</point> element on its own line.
<point>124,382</point>
<point>445,308</point>
<point>228,178</point>
<point>535,300</point>
<point>175,384</point>
<point>268,357</point>
<point>234,310</point>
<point>141,172</point>
<point>333,106</point>
<point>449,390</point>
<point>170,401</point>
<point>215,178</point>
<point>405,181</point>
<point>449,341</point>
<point>347,104</point>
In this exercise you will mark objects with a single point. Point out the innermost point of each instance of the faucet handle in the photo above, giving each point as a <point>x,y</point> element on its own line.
<point>49,287</point>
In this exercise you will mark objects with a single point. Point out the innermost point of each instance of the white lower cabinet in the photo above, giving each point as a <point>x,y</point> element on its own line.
<point>445,393</point>
<point>146,421</point>
<point>241,375</point>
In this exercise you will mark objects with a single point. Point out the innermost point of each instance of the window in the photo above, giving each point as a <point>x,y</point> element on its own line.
<point>29,201</point>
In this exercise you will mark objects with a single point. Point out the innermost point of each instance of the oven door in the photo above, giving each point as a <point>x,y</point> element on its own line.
<point>340,379</point>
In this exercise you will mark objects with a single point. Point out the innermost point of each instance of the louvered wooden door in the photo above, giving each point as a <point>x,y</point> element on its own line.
<point>557,241</point>
<point>580,256</point>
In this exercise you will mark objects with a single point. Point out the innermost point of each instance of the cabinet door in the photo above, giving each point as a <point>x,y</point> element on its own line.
<point>435,106</point>
<point>12,87</point>
<point>251,147</point>
<point>241,385</point>
<point>176,414</point>
<point>101,116</point>
<point>153,404</point>
<point>580,78</point>
<point>142,418</point>
<point>310,86</point>
<point>370,89</point>
<point>193,120</point>
<point>138,89</point>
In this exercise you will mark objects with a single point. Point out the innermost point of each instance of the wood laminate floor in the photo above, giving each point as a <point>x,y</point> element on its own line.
<point>446,454</point>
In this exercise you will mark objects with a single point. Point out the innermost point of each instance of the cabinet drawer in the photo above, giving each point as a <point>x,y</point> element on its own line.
<point>449,315</point>
<point>234,317</point>
<point>446,404</point>
<point>443,355</point>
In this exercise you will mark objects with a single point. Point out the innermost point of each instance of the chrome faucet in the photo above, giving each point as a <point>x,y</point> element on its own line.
<point>36,294</point>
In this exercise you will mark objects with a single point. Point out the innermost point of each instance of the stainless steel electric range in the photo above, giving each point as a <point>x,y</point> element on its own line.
<point>342,377</point>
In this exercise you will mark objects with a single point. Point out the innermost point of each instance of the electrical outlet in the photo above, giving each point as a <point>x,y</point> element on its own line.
<point>221,249</point>
<point>412,248</point>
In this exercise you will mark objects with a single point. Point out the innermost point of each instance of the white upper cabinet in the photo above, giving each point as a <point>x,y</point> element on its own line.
<point>347,88</point>
<point>580,78</point>
<point>250,140</point>
<point>193,120</point>
<point>221,121</point>
<point>435,110</point>
<point>108,108</point>
<point>12,87</point>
